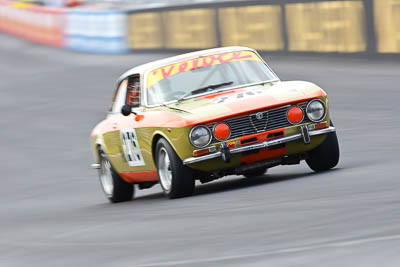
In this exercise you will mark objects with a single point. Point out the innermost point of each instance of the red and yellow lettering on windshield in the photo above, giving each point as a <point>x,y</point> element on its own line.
<point>170,70</point>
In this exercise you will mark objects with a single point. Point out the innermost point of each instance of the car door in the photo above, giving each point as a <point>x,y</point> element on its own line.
<point>110,129</point>
<point>131,149</point>
<point>129,138</point>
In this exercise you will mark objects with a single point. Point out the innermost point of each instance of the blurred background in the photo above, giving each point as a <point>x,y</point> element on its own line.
<point>59,61</point>
<point>120,26</point>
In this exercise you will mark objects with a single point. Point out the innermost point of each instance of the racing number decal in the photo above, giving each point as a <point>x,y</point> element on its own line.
<point>131,148</point>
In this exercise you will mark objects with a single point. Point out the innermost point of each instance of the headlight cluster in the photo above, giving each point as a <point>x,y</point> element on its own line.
<point>200,136</point>
<point>316,110</point>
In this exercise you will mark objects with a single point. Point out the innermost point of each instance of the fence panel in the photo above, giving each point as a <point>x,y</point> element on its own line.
<point>387,25</point>
<point>145,31</point>
<point>326,26</point>
<point>190,28</point>
<point>258,26</point>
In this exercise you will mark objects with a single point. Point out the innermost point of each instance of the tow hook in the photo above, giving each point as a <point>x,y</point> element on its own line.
<point>306,134</point>
<point>225,153</point>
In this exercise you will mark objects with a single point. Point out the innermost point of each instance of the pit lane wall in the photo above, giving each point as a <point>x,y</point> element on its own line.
<point>322,26</point>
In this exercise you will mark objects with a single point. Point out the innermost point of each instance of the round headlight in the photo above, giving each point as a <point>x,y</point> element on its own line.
<point>295,115</point>
<point>221,131</point>
<point>316,110</point>
<point>200,136</point>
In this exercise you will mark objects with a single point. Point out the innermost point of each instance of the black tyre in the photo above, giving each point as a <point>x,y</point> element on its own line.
<point>115,189</point>
<point>176,179</point>
<point>325,156</point>
<point>255,172</point>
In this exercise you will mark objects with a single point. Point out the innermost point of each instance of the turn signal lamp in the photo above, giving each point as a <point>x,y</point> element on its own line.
<point>295,115</point>
<point>204,151</point>
<point>222,131</point>
<point>321,125</point>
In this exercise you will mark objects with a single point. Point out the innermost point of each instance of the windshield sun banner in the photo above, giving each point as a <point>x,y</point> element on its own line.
<point>197,63</point>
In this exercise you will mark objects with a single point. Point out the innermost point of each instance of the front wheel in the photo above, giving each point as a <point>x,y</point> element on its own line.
<point>326,155</point>
<point>176,179</point>
<point>115,189</point>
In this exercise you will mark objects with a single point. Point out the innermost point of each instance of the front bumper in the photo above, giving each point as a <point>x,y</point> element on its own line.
<point>305,135</point>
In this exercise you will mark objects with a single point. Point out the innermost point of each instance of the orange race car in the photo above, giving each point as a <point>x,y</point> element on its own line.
<point>204,115</point>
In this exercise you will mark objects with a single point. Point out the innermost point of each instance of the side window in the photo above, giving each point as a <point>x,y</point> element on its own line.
<point>133,94</point>
<point>119,97</point>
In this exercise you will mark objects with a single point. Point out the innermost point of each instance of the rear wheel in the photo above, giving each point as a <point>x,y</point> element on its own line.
<point>176,179</point>
<point>326,155</point>
<point>255,172</point>
<point>115,189</point>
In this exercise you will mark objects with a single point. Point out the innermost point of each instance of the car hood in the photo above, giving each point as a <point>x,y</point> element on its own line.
<point>244,100</point>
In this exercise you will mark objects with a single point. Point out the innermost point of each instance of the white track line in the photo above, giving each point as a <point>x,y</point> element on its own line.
<point>288,250</point>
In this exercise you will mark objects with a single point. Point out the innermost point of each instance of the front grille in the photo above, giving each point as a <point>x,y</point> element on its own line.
<point>259,122</point>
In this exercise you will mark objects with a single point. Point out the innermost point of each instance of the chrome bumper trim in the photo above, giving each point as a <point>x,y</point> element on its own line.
<point>95,166</point>
<point>264,144</point>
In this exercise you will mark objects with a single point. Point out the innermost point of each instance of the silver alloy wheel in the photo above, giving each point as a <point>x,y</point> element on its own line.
<point>164,170</point>
<point>105,175</point>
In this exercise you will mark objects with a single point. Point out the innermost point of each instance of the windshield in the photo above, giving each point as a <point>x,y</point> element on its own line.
<point>200,75</point>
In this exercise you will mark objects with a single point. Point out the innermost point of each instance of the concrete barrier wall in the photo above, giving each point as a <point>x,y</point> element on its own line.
<point>344,26</point>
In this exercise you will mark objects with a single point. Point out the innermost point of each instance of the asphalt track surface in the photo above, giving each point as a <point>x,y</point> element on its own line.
<point>53,212</point>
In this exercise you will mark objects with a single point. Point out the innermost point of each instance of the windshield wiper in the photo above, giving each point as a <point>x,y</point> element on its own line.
<point>176,109</point>
<point>204,89</point>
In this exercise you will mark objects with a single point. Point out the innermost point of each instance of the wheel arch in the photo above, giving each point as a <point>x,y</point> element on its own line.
<point>98,143</point>
<point>157,136</point>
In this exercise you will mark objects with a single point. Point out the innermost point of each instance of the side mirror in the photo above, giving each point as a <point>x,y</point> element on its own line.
<point>126,110</point>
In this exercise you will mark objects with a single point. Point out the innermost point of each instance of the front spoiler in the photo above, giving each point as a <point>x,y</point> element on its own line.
<point>264,144</point>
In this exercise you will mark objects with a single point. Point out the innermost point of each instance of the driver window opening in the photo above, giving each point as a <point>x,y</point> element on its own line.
<point>133,94</point>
